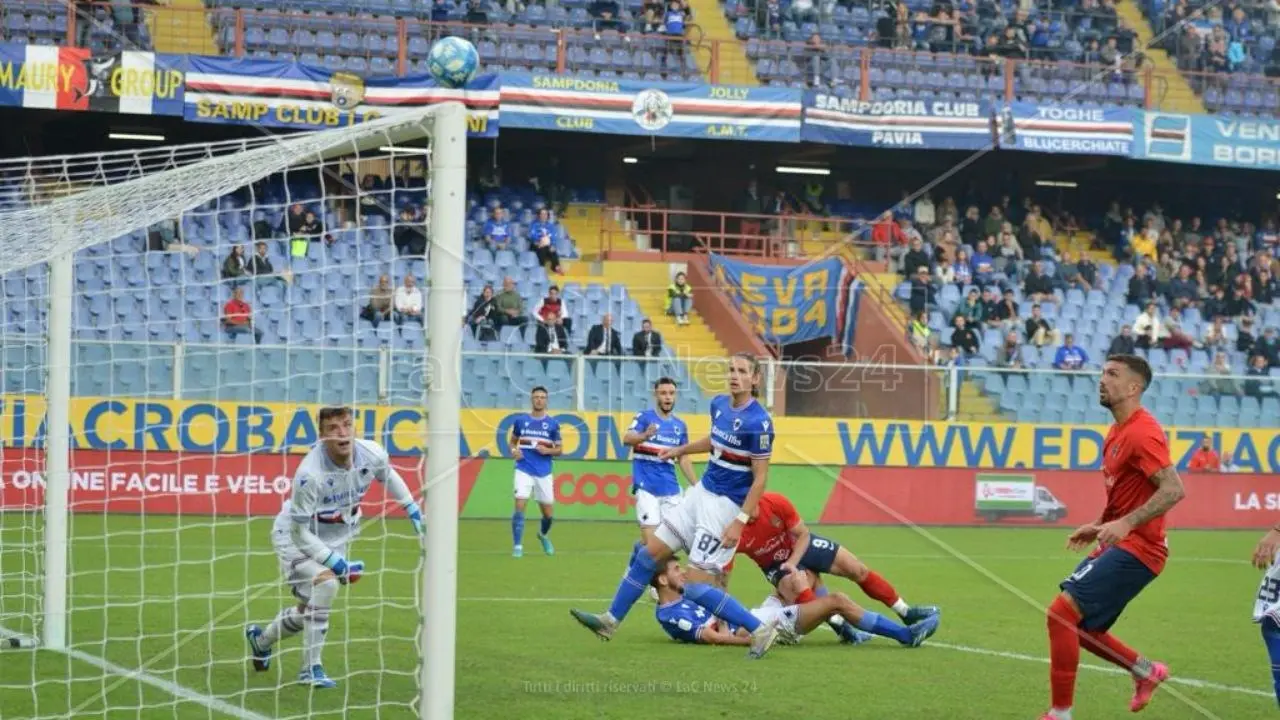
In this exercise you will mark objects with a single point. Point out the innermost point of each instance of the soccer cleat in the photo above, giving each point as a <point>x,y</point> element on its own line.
<point>923,630</point>
<point>547,547</point>
<point>916,613</point>
<point>598,624</point>
<point>1144,688</point>
<point>762,639</point>
<point>261,658</point>
<point>316,678</point>
<point>652,594</point>
<point>855,637</point>
<point>517,551</point>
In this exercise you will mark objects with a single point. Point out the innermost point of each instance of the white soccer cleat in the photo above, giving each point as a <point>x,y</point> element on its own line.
<point>762,639</point>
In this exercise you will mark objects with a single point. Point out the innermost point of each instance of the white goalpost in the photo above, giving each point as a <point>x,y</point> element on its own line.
<point>146,445</point>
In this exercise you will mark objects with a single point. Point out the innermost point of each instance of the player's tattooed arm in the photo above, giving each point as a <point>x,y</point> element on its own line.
<point>1169,492</point>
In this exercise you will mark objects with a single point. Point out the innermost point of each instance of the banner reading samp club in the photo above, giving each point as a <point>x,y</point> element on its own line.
<point>632,107</point>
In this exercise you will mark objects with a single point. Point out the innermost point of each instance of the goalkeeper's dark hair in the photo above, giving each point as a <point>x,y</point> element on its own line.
<point>331,412</point>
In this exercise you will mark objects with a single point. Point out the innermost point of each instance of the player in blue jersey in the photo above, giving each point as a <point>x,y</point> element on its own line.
<point>535,440</point>
<point>653,479</point>
<point>709,520</point>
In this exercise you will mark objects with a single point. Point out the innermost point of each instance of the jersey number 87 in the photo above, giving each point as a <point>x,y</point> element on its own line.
<point>1270,591</point>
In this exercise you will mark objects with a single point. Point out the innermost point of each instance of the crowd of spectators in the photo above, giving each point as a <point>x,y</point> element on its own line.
<point>1230,37</point>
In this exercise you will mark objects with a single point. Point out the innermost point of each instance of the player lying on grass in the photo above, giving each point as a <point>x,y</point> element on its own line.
<point>1142,485</point>
<point>779,542</point>
<point>686,622</point>
<point>708,522</point>
<point>1266,608</point>
<point>311,533</point>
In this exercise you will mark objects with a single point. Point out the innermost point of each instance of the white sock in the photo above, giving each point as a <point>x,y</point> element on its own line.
<point>901,607</point>
<point>316,622</point>
<point>287,624</point>
<point>1061,714</point>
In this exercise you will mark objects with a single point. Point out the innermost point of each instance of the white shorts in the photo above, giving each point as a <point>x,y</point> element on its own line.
<point>299,570</point>
<point>541,488</point>
<point>786,616</point>
<point>650,508</point>
<point>695,526</point>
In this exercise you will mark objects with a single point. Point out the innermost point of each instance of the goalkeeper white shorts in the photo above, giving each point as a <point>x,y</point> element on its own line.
<point>299,569</point>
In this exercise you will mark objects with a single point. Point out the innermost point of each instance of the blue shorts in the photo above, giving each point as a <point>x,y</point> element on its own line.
<point>818,557</point>
<point>1104,585</point>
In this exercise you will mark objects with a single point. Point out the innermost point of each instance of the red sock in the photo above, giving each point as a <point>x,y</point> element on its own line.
<point>806,596</point>
<point>878,589</point>
<point>1064,652</point>
<point>1109,648</point>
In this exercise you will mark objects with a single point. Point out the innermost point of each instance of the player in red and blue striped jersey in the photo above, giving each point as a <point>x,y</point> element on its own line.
<point>535,440</point>
<point>709,521</point>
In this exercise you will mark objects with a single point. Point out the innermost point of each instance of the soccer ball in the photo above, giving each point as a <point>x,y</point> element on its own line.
<point>453,61</point>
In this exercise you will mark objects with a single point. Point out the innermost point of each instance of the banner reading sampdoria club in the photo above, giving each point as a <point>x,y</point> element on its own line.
<point>64,78</point>
<point>918,124</point>
<point>633,107</point>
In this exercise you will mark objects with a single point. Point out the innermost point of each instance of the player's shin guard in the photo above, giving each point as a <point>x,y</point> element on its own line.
<point>879,589</point>
<point>517,528</point>
<point>545,527</point>
<point>721,604</point>
<point>1064,652</point>
<point>1109,648</point>
<point>639,573</point>
<point>287,624</point>
<point>316,621</point>
<point>1271,636</point>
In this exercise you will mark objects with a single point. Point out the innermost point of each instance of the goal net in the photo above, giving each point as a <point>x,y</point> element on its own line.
<point>172,320</point>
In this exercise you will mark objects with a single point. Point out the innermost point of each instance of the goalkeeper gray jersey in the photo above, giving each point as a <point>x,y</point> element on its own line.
<point>326,498</point>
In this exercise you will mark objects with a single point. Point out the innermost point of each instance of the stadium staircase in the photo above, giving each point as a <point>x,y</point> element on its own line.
<point>1177,96</point>
<point>181,26</point>
<point>646,283</point>
<point>583,222</point>
<point>735,67</point>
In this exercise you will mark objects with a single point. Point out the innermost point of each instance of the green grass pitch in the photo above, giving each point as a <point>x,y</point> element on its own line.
<point>179,592</point>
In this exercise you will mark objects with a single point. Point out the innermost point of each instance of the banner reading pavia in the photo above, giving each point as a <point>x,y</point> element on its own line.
<point>275,93</point>
<point>63,78</point>
<point>786,304</point>
<point>919,124</point>
<point>632,107</point>
<point>1209,140</point>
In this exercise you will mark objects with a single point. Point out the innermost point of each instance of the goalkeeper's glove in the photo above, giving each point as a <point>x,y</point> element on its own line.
<point>415,516</point>
<point>347,572</point>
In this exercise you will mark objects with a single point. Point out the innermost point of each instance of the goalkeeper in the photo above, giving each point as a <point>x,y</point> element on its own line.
<point>311,533</point>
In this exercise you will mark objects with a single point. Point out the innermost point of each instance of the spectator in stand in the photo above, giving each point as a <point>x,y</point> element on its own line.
<point>263,273</point>
<point>962,268</point>
<point>497,230</point>
<point>1009,354</point>
<point>935,354</point>
<point>237,317</point>
<point>408,302</point>
<point>1141,286</point>
<point>1265,288</point>
<point>550,339</point>
<point>1038,331</point>
<point>1228,465</point>
<point>983,265</point>
<point>235,267</point>
<point>1204,459</point>
<point>1268,346</point>
<point>552,310</point>
<point>964,337</point>
<point>510,305</point>
<point>1123,344</point>
<point>1070,356</point>
<point>603,339</point>
<point>919,330</point>
<point>1183,290</point>
<point>379,305</point>
<point>1003,313</point>
<point>803,11</point>
<point>972,309</point>
<point>542,236</point>
<point>1215,335</point>
<point>606,14</point>
<point>1038,287</point>
<point>1259,384</point>
<point>1177,337</point>
<point>1220,380</point>
<point>923,212</point>
<point>647,342</point>
<point>889,240</point>
<point>675,22</point>
<point>1009,256</point>
<point>1245,338</point>
<point>915,258</point>
<point>293,220</point>
<point>1216,306</point>
<point>484,316</point>
<point>1149,328</point>
<point>924,296</point>
<point>680,299</point>
<point>410,233</point>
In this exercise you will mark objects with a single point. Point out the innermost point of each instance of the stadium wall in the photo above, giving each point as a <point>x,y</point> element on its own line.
<point>255,484</point>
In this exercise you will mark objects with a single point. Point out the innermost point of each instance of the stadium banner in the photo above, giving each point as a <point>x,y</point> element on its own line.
<point>230,427</point>
<point>1071,130</point>
<point>1053,498</point>
<point>917,124</point>
<point>1209,140</point>
<point>65,78</point>
<point>633,107</point>
<point>190,483</point>
<point>281,94</point>
<point>786,304</point>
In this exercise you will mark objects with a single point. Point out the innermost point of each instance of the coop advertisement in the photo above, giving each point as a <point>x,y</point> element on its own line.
<point>1229,141</point>
<point>786,304</point>
<point>1066,129</point>
<point>906,124</point>
<point>281,94</point>
<point>632,107</point>
<point>64,78</point>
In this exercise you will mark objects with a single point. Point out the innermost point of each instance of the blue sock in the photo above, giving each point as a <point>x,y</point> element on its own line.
<point>639,573</point>
<point>546,525</point>
<point>876,624</point>
<point>721,604</point>
<point>1271,636</point>
<point>517,528</point>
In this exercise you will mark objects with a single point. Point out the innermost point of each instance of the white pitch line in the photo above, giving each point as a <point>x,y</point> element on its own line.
<point>172,688</point>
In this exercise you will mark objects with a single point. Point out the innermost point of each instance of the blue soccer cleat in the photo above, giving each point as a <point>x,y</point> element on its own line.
<point>316,678</point>
<point>517,551</point>
<point>601,625</point>
<point>923,630</point>
<point>261,658</point>
<point>916,613</point>
<point>547,547</point>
